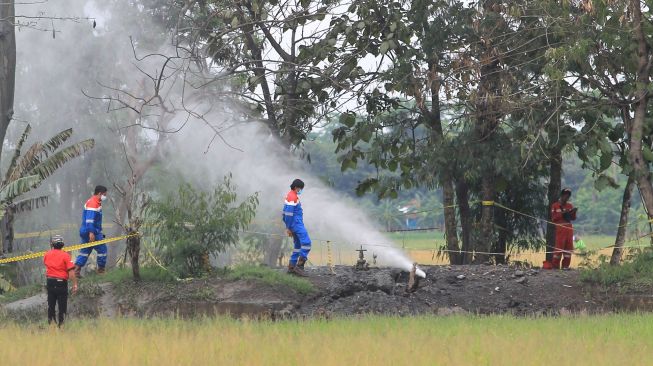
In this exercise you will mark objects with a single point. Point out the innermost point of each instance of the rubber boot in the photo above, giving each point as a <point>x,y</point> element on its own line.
<point>300,263</point>
<point>299,268</point>
<point>101,270</point>
<point>78,271</point>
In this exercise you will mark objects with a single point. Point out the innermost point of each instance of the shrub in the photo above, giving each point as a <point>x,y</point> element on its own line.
<point>193,225</point>
<point>638,268</point>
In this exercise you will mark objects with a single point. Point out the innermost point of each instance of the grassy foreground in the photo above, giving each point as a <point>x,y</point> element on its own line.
<point>602,340</point>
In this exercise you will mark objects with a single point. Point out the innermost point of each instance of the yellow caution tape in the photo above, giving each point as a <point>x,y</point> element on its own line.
<point>487,203</point>
<point>66,249</point>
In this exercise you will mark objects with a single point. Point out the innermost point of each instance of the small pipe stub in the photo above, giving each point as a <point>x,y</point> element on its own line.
<point>413,279</point>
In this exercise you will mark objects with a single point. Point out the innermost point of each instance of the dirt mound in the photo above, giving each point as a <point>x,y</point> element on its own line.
<point>446,290</point>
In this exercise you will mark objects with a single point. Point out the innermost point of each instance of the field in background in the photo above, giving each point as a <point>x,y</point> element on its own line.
<point>422,247</point>
<point>496,340</point>
<point>429,240</point>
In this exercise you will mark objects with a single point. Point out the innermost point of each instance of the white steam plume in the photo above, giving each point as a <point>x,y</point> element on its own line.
<point>52,73</point>
<point>264,166</point>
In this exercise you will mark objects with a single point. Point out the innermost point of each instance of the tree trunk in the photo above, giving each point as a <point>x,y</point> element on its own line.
<point>623,222</point>
<point>259,72</point>
<point>120,218</point>
<point>640,166</point>
<point>134,249</point>
<point>488,110</point>
<point>7,66</point>
<point>500,246</point>
<point>272,251</point>
<point>487,219</point>
<point>451,235</point>
<point>434,123</point>
<point>7,228</point>
<point>462,195</point>
<point>555,186</point>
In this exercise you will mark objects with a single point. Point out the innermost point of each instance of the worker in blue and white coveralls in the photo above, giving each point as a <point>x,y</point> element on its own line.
<point>91,230</point>
<point>293,217</point>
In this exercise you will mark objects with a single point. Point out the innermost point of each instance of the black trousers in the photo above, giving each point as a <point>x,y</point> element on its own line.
<point>57,294</point>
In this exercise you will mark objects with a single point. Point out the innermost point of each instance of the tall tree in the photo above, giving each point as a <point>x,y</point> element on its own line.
<point>642,27</point>
<point>610,72</point>
<point>410,138</point>
<point>277,58</point>
<point>7,65</point>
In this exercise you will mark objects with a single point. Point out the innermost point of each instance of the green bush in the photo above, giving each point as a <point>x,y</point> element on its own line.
<point>637,269</point>
<point>193,225</point>
<point>271,277</point>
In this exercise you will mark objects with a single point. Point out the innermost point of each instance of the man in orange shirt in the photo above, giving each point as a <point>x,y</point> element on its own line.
<point>58,268</point>
<point>562,214</point>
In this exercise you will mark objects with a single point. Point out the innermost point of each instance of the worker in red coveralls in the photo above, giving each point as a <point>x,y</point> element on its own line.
<point>58,269</point>
<point>562,214</point>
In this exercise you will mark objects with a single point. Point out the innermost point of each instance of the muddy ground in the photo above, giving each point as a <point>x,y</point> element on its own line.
<point>446,290</point>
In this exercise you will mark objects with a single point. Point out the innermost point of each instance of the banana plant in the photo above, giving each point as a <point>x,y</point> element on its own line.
<point>27,171</point>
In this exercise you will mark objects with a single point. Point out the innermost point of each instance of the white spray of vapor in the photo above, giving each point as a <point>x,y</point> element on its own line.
<point>258,164</point>
<point>264,166</point>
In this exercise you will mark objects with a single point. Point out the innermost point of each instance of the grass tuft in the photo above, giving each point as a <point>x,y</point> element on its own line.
<point>271,277</point>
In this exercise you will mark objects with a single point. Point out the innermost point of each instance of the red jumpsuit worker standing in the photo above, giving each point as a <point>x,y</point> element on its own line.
<point>562,214</point>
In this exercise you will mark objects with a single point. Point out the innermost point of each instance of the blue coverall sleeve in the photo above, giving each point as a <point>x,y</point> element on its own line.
<point>287,219</point>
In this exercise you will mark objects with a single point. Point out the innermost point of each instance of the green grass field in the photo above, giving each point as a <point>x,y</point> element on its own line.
<point>418,240</point>
<point>496,340</point>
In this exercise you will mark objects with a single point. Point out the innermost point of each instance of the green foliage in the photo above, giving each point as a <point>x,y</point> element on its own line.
<point>193,225</point>
<point>43,159</point>
<point>18,187</point>
<point>635,271</point>
<point>27,171</point>
<point>271,277</point>
<point>285,62</point>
